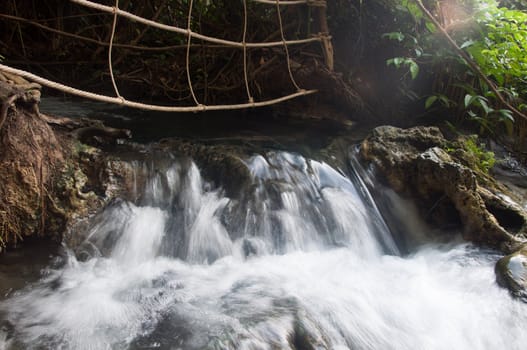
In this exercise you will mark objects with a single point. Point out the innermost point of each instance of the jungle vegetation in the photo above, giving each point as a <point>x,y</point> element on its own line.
<point>459,61</point>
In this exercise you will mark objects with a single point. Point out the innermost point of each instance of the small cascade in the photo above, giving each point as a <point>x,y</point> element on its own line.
<point>208,240</point>
<point>301,259</point>
<point>311,205</point>
<point>141,235</point>
<point>292,204</point>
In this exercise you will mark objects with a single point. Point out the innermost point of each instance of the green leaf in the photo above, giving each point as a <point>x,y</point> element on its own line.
<point>430,101</point>
<point>396,61</point>
<point>394,36</point>
<point>468,100</point>
<point>506,114</point>
<point>445,101</point>
<point>414,68</point>
<point>483,103</point>
<point>431,27</point>
<point>467,43</point>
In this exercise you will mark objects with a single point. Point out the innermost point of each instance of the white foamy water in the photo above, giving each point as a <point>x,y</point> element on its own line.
<point>435,299</point>
<point>303,261</point>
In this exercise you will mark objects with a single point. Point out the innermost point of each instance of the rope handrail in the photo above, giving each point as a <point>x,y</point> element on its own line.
<point>102,43</point>
<point>144,106</point>
<point>282,2</point>
<point>122,101</point>
<point>286,49</point>
<point>244,38</point>
<point>314,3</point>
<point>110,66</point>
<point>187,56</point>
<point>132,17</point>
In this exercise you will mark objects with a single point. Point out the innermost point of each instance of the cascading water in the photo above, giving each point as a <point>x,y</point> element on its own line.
<point>301,260</point>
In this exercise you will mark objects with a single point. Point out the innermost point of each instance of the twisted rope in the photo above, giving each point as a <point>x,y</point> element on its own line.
<point>245,75</point>
<point>190,34</point>
<point>144,106</point>
<point>187,59</point>
<point>103,43</point>
<point>175,29</point>
<point>285,45</point>
<point>313,3</point>
<point>110,66</point>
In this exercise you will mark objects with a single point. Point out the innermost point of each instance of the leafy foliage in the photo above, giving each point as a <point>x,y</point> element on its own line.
<point>500,51</point>
<point>440,99</point>
<point>472,153</point>
<point>485,160</point>
<point>409,36</point>
<point>417,37</point>
<point>408,62</point>
<point>494,36</point>
<point>478,109</point>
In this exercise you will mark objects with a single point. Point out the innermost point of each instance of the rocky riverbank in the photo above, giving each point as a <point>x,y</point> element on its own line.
<point>58,171</point>
<point>50,175</point>
<point>447,183</point>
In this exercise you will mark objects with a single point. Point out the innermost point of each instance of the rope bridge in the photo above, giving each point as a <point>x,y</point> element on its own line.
<point>251,103</point>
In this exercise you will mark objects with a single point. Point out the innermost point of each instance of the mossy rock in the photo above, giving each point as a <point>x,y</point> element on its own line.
<point>417,163</point>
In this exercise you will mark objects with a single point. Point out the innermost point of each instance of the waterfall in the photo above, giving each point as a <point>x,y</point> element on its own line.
<point>301,259</point>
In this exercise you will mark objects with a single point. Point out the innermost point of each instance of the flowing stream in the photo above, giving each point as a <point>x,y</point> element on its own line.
<point>301,259</point>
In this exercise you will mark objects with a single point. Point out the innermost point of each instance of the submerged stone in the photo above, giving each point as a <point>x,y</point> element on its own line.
<point>511,273</point>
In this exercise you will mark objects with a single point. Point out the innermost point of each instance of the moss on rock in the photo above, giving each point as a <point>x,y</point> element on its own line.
<point>415,163</point>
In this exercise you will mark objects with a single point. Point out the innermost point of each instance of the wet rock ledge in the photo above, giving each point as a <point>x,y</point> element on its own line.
<point>446,183</point>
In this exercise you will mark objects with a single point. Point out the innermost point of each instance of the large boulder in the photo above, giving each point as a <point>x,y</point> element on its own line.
<point>416,163</point>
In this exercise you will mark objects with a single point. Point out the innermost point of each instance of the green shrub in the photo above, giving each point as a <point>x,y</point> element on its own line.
<point>484,160</point>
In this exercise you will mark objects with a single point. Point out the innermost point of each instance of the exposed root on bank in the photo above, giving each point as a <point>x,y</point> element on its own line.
<point>30,155</point>
<point>42,168</point>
